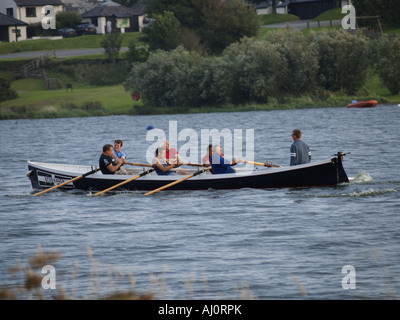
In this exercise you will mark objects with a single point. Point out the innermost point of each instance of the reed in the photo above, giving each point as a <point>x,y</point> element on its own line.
<point>28,284</point>
<point>104,283</point>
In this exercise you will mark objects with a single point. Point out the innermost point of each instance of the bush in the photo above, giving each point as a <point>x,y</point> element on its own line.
<point>96,73</point>
<point>285,64</point>
<point>253,71</point>
<point>388,62</point>
<point>112,44</point>
<point>68,19</point>
<point>164,32</point>
<point>135,54</point>
<point>5,92</point>
<point>301,59</point>
<point>343,63</point>
<point>164,79</point>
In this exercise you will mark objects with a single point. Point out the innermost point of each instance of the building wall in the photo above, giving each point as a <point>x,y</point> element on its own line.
<point>12,34</point>
<point>279,10</point>
<point>4,4</point>
<point>21,14</point>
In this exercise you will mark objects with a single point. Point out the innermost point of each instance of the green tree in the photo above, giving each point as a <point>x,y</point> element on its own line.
<point>164,32</point>
<point>67,19</point>
<point>342,58</point>
<point>253,71</point>
<point>112,45</point>
<point>165,78</point>
<point>388,62</point>
<point>225,22</point>
<point>216,23</point>
<point>135,54</point>
<point>387,10</point>
<point>301,68</point>
<point>6,93</point>
<point>183,10</point>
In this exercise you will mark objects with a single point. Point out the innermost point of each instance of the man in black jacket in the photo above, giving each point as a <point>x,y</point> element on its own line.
<point>108,164</point>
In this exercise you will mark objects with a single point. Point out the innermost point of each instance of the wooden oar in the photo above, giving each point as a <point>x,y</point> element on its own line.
<point>149,165</point>
<point>69,181</point>
<point>140,164</point>
<point>176,182</point>
<point>262,164</point>
<point>195,164</point>
<point>124,182</point>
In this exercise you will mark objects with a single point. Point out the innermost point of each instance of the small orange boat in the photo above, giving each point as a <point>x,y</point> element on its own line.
<point>363,104</point>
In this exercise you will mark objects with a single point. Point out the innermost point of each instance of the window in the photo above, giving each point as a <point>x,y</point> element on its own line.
<point>94,21</point>
<point>10,12</point>
<point>30,11</point>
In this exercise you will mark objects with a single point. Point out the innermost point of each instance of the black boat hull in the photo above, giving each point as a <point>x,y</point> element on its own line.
<point>327,173</point>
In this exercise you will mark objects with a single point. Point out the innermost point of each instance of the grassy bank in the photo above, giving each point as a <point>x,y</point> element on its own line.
<point>36,102</point>
<point>266,19</point>
<point>82,42</point>
<point>82,101</point>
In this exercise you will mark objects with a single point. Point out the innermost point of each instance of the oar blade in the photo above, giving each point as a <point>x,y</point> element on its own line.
<point>176,182</point>
<point>123,182</point>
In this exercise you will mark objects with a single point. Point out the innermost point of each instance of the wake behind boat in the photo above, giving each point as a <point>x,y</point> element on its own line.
<point>314,174</point>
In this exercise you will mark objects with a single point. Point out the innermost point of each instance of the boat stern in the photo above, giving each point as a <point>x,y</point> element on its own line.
<point>341,175</point>
<point>44,178</point>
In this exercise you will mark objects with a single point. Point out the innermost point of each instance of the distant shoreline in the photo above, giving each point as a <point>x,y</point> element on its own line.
<point>54,113</point>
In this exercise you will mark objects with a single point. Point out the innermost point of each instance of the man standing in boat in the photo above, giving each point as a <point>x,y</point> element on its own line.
<point>299,151</point>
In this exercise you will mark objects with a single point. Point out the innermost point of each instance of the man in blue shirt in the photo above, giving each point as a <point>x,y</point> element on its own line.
<point>117,150</point>
<point>121,156</point>
<point>299,151</point>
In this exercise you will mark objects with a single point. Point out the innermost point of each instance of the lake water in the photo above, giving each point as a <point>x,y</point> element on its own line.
<point>230,244</point>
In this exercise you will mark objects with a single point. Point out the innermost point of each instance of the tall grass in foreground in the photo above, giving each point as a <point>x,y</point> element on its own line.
<point>100,284</point>
<point>103,284</point>
<point>30,278</point>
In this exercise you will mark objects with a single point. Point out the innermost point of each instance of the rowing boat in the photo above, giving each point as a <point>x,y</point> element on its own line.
<point>315,174</point>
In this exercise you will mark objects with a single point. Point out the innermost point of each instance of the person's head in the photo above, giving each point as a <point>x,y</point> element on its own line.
<point>160,152</point>
<point>117,145</point>
<point>209,149</point>
<point>296,134</point>
<point>217,149</point>
<point>107,149</point>
<point>166,145</point>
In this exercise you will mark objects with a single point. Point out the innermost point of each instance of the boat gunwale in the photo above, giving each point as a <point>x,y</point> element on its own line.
<point>206,176</point>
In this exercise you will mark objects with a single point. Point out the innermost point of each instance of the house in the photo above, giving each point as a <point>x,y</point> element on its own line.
<point>265,7</point>
<point>11,29</point>
<point>28,11</point>
<point>111,16</point>
<point>309,9</point>
<point>140,9</point>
